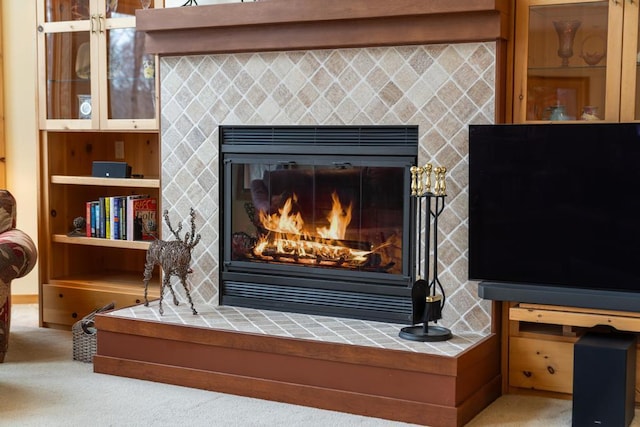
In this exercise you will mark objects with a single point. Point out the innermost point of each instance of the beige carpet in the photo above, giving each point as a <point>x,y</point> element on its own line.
<point>40,385</point>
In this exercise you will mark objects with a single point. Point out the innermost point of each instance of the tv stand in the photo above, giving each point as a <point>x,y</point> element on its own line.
<point>538,344</point>
<point>560,295</point>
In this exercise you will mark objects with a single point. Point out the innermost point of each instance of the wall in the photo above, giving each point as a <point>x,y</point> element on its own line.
<point>441,88</point>
<point>19,46</point>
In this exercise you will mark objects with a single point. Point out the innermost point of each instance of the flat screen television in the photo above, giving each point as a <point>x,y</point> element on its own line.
<point>554,213</point>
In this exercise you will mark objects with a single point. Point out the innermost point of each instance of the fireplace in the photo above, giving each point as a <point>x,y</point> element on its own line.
<point>318,219</point>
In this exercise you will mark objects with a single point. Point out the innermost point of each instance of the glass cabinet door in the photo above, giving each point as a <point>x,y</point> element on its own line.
<point>568,59</point>
<point>65,58</point>
<point>128,84</point>
<point>93,72</point>
<point>130,79</point>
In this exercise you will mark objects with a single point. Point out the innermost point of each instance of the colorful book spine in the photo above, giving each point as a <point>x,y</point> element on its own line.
<point>130,214</point>
<point>107,218</point>
<point>145,219</point>
<point>101,218</point>
<point>88,219</point>
<point>115,218</point>
<point>95,215</point>
<point>123,217</point>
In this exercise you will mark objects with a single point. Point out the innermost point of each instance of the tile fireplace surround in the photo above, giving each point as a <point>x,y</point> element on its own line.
<point>442,88</point>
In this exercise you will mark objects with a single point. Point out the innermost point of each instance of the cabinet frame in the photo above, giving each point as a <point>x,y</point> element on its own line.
<point>616,20</point>
<point>98,27</point>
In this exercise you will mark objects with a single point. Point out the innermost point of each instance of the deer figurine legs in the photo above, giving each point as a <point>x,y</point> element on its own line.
<point>165,284</point>
<point>183,280</point>
<point>174,258</point>
<point>148,269</point>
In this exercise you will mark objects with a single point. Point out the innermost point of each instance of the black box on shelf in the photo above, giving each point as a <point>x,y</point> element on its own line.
<point>111,170</point>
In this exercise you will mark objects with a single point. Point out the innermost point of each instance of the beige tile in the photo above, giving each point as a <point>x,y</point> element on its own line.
<point>440,88</point>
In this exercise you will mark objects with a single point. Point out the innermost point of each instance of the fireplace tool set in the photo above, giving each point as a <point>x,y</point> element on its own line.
<point>427,303</point>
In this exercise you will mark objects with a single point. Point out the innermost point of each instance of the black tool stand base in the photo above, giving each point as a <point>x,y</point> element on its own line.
<point>431,334</point>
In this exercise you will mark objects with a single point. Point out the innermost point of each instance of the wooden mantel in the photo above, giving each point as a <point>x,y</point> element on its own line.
<point>277,25</point>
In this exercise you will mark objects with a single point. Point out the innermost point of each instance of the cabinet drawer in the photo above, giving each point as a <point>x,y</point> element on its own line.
<point>541,365</point>
<point>64,305</point>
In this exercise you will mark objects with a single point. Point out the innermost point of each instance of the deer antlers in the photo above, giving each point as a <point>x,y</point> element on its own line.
<point>190,239</point>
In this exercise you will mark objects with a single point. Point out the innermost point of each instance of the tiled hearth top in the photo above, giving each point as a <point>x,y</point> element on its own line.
<point>300,326</point>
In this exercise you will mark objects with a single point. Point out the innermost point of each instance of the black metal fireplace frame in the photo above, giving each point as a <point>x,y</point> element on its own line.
<point>365,295</point>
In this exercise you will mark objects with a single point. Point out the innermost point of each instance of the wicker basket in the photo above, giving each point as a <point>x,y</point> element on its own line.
<point>85,338</point>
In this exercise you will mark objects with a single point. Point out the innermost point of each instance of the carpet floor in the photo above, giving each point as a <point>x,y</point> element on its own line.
<point>40,385</point>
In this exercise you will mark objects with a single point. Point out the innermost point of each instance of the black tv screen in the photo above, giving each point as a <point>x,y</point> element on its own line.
<point>555,204</point>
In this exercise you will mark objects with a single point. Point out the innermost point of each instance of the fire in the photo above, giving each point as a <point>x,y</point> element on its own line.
<point>284,221</point>
<point>339,220</point>
<point>287,236</point>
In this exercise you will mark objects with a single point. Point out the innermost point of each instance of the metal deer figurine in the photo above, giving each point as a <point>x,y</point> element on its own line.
<point>174,257</point>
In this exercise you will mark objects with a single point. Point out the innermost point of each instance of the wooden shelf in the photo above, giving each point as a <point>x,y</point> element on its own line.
<point>96,241</point>
<point>112,281</point>
<point>106,182</point>
<point>573,316</point>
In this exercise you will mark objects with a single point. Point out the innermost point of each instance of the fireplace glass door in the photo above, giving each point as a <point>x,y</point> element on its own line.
<point>298,218</point>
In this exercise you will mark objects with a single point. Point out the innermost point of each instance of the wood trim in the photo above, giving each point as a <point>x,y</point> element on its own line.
<point>24,299</point>
<point>629,77</point>
<point>574,318</point>
<point>391,384</point>
<point>278,25</point>
<point>299,394</point>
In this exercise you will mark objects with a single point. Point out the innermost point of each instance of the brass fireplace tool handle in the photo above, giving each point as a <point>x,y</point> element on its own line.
<point>421,180</point>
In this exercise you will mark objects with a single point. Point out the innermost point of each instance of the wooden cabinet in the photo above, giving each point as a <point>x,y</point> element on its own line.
<point>93,71</point>
<point>80,274</point>
<point>97,102</point>
<point>540,339</point>
<point>576,60</point>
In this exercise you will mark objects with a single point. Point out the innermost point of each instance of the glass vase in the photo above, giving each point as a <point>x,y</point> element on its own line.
<point>566,34</point>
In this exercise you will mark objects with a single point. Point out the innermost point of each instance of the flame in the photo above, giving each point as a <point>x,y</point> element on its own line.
<point>339,220</point>
<point>284,221</point>
<point>287,236</point>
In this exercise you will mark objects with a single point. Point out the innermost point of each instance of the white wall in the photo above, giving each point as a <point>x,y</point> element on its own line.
<point>19,46</point>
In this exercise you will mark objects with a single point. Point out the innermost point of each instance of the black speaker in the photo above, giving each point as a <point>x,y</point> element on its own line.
<point>111,170</point>
<point>604,377</point>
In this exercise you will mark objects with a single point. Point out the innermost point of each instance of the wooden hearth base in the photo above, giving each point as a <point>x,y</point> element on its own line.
<point>391,384</point>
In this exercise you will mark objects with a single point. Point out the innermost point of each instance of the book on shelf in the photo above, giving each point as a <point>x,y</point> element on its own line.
<point>117,217</point>
<point>122,215</point>
<point>88,222</point>
<point>108,219</point>
<point>132,217</point>
<point>101,218</point>
<point>92,220</point>
<point>144,213</point>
